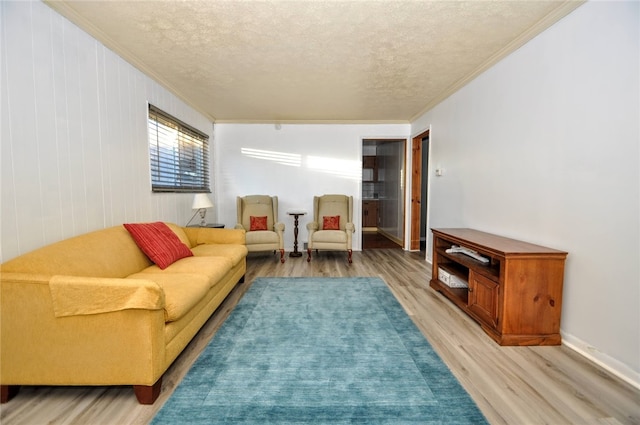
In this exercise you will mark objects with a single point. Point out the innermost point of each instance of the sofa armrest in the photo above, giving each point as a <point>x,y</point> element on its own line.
<point>207,235</point>
<point>125,347</point>
<point>81,295</point>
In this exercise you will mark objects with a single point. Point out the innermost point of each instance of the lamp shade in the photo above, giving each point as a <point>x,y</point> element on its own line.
<point>201,200</point>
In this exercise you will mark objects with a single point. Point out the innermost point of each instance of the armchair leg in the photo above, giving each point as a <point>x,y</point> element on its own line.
<point>308,255</point>
<point>350,259</point>
<point>282,256</point>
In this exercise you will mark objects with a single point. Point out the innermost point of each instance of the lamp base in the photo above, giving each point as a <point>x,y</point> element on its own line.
<point>203,213</point>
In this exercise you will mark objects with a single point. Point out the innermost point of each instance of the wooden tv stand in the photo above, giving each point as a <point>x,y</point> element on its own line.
<point>516,297</point>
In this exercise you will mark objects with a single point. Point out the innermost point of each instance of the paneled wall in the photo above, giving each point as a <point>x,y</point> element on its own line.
<point>545,147</point>
<point>74,153</point>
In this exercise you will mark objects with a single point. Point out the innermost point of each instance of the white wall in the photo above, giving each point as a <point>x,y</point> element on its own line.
<point>544,147</point>
<point>74,152</point>
<point>295,163</point>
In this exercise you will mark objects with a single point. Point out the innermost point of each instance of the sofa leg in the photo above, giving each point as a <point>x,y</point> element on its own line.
<point>241,279</point>
<point>282,256</point>
<point>148,394</point>
<point>350,259</point>
<point>7,392</point>
<point>308,255</point>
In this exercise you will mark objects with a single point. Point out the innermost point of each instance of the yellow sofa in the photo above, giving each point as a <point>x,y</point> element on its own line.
<point>94,310</point>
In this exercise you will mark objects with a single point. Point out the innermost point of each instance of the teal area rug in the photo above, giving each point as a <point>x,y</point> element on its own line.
<point>319,351</point>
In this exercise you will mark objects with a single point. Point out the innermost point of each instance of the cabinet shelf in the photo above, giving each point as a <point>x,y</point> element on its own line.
<point>456,269</point>
<point>491,270</point>
<point>459,296</point>
<point>516,297</point>
<point>369,169</point>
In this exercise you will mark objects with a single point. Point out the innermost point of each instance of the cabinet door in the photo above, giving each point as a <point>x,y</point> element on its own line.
<point>483,298</point>
<point>368,161</point>
<point>365,213</point>
<point>373,214</point>
<point>370,213</point>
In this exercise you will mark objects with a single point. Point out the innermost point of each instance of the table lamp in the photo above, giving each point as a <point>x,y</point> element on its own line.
<point>200,203</point>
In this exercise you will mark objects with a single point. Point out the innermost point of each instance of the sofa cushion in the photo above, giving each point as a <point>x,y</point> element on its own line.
<point>159,242</point>
<point>234,252</point>
<point>182,291</point>
<point>110,252</point>
<point>213,267</point>
<point>180,233</point>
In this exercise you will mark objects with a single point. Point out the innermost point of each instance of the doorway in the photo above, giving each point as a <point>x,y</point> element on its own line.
<point>383,197</point>
<point>424,184</point>
<point>419,188</point>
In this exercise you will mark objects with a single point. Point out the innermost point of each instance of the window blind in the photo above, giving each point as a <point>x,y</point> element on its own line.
<point>179,155</point>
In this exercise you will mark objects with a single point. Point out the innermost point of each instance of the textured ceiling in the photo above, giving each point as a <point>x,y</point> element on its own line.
<point>310,61</point>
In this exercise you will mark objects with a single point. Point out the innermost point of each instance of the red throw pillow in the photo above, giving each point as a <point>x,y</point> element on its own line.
<point>158,242</point>
<point>331,222</point>
<point>258,223</point>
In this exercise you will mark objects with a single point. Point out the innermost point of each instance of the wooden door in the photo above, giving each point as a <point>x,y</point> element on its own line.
<point>416,189</point>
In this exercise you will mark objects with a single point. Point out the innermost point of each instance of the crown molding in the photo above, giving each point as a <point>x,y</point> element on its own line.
<point>337,122</point>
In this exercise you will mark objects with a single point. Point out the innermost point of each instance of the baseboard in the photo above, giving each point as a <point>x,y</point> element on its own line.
<point>390,236</point>
<point>604,361</point>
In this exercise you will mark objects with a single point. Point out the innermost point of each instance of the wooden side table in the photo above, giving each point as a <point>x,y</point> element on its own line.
<point>296,214</point>
<point>211,225</point>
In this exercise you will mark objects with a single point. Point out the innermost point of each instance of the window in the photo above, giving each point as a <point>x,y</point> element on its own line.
<point>179,155</point>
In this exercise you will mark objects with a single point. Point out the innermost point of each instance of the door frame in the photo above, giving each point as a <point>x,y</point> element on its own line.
<point>402,182</point>
<point>416,189</point>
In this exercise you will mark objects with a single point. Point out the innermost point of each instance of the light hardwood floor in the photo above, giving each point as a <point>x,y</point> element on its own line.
<point>511,385</point>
